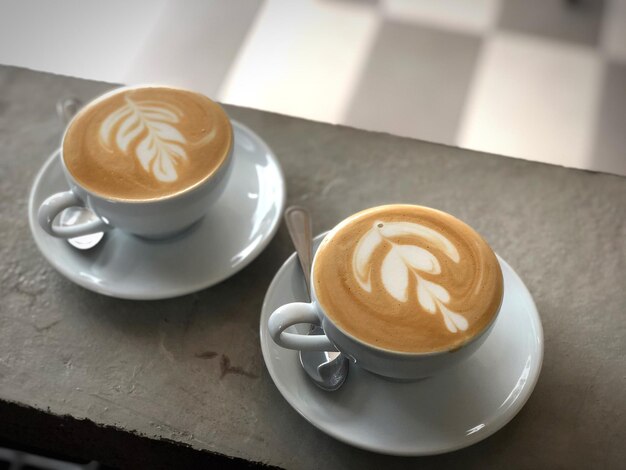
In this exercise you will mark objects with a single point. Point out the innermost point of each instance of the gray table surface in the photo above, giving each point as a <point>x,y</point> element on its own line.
<point>139,366</point>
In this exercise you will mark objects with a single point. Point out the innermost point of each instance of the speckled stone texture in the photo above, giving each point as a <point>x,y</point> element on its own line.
<point>190,370</point>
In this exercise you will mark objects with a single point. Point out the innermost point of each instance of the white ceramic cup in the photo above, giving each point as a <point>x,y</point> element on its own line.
<point>156,218</point>
<point>390,364</point>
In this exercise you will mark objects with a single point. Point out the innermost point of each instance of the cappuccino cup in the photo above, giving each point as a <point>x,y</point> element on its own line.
<point>148,160</point>
<point>403,290</point>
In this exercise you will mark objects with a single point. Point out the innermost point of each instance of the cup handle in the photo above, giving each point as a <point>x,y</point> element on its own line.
<point>58,202</point>
<point>292,314</point>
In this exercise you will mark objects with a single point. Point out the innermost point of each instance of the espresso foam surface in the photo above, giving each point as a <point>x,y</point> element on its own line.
<point>146,143</point>
<point>408,278</point>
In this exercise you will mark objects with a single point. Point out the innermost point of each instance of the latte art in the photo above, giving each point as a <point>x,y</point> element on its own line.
<point>159,149</point>
<point>147,143</point>
<point>405,260</point>
<point>408,278</point>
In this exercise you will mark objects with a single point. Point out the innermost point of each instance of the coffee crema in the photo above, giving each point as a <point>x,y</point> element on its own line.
<point>408,278</point>
<point>147,143</point>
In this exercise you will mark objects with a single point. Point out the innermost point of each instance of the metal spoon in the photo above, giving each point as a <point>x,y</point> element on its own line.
<point>327,369</point>
<point>66,109</point>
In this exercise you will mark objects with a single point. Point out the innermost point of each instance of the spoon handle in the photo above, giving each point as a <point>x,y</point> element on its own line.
<point>67,108</point>
<point>298,221</point>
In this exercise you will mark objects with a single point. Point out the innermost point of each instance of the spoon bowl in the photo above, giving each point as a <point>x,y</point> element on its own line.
<point>77,215</point>
<point>327,369</point>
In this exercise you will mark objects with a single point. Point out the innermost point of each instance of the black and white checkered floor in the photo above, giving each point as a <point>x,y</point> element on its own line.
<point>537,79</point>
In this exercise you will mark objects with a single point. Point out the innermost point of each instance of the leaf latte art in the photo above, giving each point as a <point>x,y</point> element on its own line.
<point>147,142</point>
<point>159,149</point>
<point>408,279</point>
<point>403,261</point>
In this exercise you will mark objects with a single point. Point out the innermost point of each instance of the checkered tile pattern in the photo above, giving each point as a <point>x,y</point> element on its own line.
<point>536,79</point>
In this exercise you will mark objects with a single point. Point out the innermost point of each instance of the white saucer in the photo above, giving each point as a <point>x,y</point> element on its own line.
<point>454,409</point>
<point>237,228</point>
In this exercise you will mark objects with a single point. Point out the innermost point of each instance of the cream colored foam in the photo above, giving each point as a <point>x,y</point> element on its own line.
<point>146,143</point>
<point>408,278</point>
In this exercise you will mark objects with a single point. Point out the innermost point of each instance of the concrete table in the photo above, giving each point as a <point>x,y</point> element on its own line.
<point>182,381</point>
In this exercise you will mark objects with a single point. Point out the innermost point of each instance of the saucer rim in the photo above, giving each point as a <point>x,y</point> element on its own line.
<point>491,427</point>
<point>159,294</point>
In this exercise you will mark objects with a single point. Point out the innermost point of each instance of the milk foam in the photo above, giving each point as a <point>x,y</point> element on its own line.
<point>405,260</point>
<point>159,150</point>
<point>143,143</point>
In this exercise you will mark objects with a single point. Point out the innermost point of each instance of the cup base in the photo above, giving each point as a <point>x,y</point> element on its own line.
<point>397,380</point>
<point>171,236</point>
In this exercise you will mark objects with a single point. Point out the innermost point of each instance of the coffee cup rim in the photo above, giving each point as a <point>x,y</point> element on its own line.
<point>403,354</point>
<point>183,192</point>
